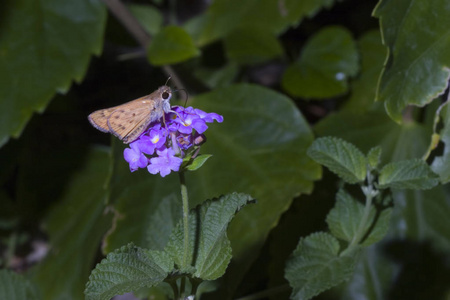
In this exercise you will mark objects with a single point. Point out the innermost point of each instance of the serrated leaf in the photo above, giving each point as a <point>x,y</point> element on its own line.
<point>251,45</point>
<point>417,69</point>
<point>209,247</point>
<point>379,229</point>
<point>46,45</point>
<point>345,218</point>
<point>366,130</point>
<point>317,266</point>
<point>170,46</point>
<point>408,174</point>
<point>340,157</point>
<point>374,156</point>
<point>328,59</point>
<point>15,287</point>
<point>75,226</point>
<point>198,162</point>
<point>125,270</point>
<point>149,17</point>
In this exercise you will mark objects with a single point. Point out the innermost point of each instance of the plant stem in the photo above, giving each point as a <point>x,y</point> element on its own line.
<point>182,287</point>
<point>173,285</point>
<point>123,15</point>
<point>369,192</point>
<point>194,285</point>
<point>185,200</point>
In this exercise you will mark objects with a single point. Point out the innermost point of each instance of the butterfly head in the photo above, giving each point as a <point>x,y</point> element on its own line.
<point>165,93</point>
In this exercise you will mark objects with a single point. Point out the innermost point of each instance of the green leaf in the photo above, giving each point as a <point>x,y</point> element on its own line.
<point>251,45</point>
<point>125,270</point>
<point>379,229</point>
<point>433,208</point>
<point>255,142</point>
<point>345,218</point>
<point>370,129</point>
<point>170,46</point>
<point>209,247</point>
<point>272,16</point>
<point>374,156</point>
<point>43,47</point>
<point>417,70</point>
<point>142,199</point>
<point>161,221</point>
<point>198,162</point>
<point>409,174</point>
<point>221,18</point>
<point>221,77</point>
<point>340,157</point>
<point>364,86</point>
<point>277,16</point>
<point>15,287</point>
<point>317,266</point>
<point>75,227</point>
<point>149,17</point>
<point>328,59</point>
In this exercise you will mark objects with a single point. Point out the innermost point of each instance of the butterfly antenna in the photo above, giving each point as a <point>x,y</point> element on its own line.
<point>168,79</point>
<point>187,95</point>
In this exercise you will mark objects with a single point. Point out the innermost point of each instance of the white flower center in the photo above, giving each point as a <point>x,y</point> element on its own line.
<point>155,139</point>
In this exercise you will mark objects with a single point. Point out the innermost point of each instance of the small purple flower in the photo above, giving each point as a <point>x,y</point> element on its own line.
<point>191,119</point>
<point>155,139</point>
<point>184,141</point>
<point>185,128</point>
<point>135,157</point>
<point>208,117</point>
<point>164,163</point>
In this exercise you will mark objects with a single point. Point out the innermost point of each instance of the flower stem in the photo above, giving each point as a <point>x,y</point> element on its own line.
<point>370,192</point>
<point>173,285</point>
<point>182,287</point>
<point>185,200</point>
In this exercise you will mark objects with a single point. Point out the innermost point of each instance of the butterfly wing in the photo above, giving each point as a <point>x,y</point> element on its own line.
<point>128,123</point>
<point>99,118</point>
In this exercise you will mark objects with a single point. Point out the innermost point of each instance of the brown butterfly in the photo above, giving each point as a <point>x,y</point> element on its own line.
<point>128,121</point>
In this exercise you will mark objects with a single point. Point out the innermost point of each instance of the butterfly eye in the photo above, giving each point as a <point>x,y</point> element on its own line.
<point>165,95</point>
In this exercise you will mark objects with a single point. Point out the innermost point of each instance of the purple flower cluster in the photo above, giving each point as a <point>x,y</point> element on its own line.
<point>161,149</point>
